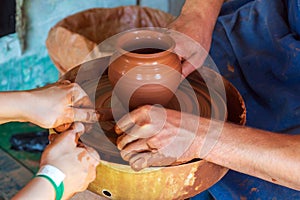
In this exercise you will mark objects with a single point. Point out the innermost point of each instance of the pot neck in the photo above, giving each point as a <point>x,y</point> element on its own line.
<point>144,54</point>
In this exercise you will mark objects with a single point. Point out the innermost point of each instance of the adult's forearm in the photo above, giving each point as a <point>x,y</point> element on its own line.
<point>269,156</point>
<point>196,21</point>
<point>204,10</point>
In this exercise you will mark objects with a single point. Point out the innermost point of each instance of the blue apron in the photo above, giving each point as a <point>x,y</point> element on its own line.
<point>256,46</point>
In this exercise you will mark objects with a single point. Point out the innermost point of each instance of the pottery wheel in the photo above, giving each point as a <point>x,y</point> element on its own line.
<point>195,98</point>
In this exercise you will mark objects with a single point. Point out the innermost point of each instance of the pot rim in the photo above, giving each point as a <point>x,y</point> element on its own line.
<point>126,37</point>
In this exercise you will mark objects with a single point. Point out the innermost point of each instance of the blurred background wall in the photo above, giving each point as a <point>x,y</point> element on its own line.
<point>24,60</point>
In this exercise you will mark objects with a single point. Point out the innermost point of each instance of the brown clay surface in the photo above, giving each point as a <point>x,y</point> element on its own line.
<point>108,150</point>
<point>184,180</point>
<point>146,65</point>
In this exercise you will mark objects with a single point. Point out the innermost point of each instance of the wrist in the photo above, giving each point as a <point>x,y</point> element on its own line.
<point>197,132</point>
<point>37,188</point>
<point>206,11</point>
<point>42,188</point>
<point>208,136</point>
<point>26,106</point>
<point>55,177</point>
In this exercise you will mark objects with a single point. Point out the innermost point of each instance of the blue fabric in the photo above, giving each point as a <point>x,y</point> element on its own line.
<point>260,40</point>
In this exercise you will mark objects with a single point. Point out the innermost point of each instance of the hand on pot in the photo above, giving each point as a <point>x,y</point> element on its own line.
<point>59,104</point>
<point>196,23</point>
<point>154,136</point>
<point>192,43</point>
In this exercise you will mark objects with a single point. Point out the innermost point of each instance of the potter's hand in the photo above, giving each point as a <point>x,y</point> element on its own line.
<point>77,162</point>
<point>196,23</point>
<point>192,43</point>
<point>154,136</point>
<point>58,104</point>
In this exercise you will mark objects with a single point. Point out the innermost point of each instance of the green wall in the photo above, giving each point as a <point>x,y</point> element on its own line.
<point>33,67</point>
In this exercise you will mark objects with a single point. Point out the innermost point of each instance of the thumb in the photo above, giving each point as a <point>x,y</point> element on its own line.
<point>85,115</point>
<point>94,154</point>
<point>187,68</point>
<point>69,138</point>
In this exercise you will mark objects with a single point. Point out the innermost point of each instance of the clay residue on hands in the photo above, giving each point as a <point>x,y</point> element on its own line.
<point>81,155</point>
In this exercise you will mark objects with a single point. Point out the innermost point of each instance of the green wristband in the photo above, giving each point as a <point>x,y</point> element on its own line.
<point>59,190</point>
<point>55,177</point>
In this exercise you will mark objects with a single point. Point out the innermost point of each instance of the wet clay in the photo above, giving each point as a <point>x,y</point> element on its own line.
<point>148,70</point>
<point>116,178</point>
<point>81,155</point>
<point>235,107</point>
<point>109,152</point>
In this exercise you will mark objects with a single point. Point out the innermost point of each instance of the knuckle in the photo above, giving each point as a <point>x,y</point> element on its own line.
<point>145,109</point>
<point>74,86</point>
<point>69,113</point>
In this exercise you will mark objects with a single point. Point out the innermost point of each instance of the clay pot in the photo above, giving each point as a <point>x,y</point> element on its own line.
<point>116,180</point>
<point>144,69</point>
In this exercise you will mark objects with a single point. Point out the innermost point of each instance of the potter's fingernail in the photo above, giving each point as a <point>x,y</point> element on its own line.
<point>91,116</point>
<point>88,116</point>
<point>139,164</point>
<point>118,130</point>
<point>136,167</point>
<point>79,127</point>
<point>120,145</point>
